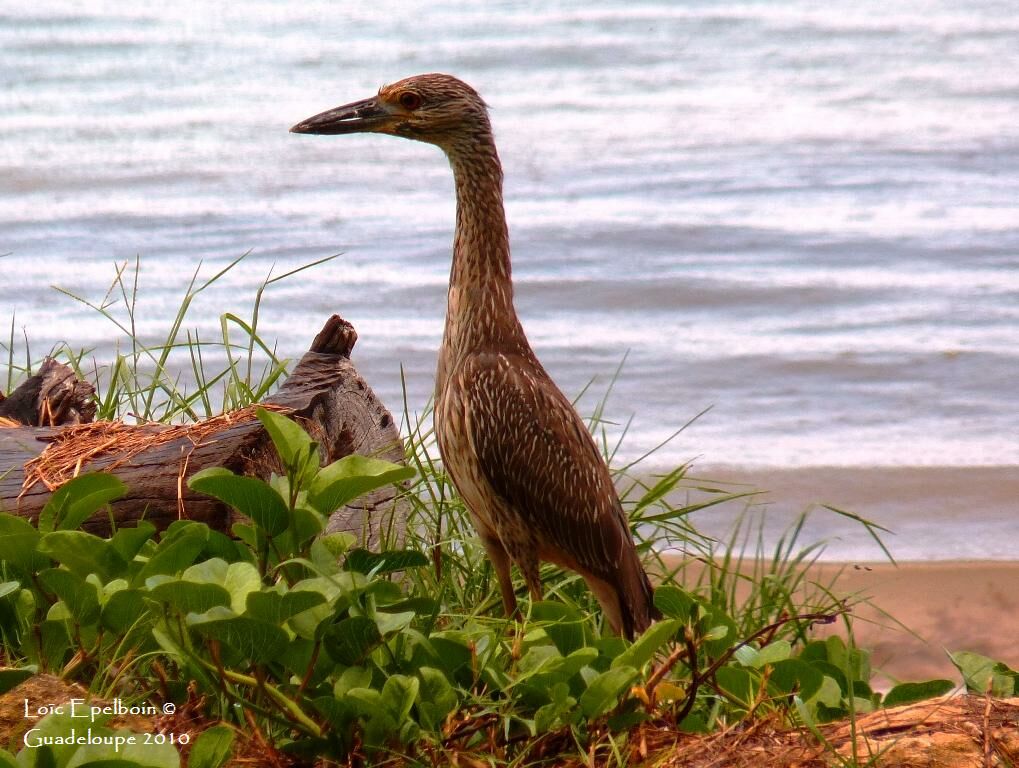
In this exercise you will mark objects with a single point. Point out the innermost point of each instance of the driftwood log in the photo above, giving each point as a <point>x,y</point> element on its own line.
<point>53,396</point>
<point>325,393</point>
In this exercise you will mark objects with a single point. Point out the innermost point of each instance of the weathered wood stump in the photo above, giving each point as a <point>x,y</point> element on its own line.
<point>325,393</point>
<point>53,396</point>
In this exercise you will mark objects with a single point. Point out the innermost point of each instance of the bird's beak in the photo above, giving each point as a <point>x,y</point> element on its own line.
<point>363,116</point>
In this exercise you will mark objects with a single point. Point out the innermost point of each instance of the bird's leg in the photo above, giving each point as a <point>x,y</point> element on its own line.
<point>530,566</point>
<point>501,562</point>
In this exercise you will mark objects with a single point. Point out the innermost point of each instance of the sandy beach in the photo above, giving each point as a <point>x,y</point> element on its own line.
<point>954,532</point>
<point>911,615</point>
<point>918,611</point>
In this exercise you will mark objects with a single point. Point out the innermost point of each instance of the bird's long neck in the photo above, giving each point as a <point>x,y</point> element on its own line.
<point>480,312</point>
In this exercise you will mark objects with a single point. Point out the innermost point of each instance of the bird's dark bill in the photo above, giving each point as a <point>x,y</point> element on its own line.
<point>360,116</point>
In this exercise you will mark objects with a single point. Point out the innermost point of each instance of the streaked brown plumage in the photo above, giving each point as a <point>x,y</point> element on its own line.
<point>516,450</point>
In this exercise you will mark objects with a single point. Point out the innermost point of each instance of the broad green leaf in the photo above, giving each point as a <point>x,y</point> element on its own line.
<point>350,477</point>
<point>854,662</point>
<point>185,597</point>
<point>306,524</point>
<point>536,659</point>
<point>626,719</point>
<point>246,533</point>
<point>774,652</point>
<point>829,694</point>
<point>570,665</point>
<point>603,692</point>
<point>169,644</point>
<point>340,713</point>
<point>9,588</point>
<point>437,698</point>
<point>368,701</point>
<point>647,645</point>
<point>313,622</point>
<point>384,591</point>
<point>830,670</point>
<point>324,556</point>
<point>238,579</point>
<point>558,669</point>
<point>241,580</point>
<point>212,748</point>
<point>747,655</point>
<point>422,606</point>
<point>211,571</point>
<point>907,693</point>
<point>815,650</point>
<point>837,651</point>
<point>859,664</point>
<point>738,683</point>
<point>78,499</point>
<point>399,693</point>
<point>351,640</point>
<point>226,548</point>
<point>277,609</point>
<point>388,623</point>
<point>363,561</point>
<point>983,674</point>
<point>10,678</point>
<point>453,650</point>
<point>83,553</point>
<point>292,443</point>
<point>795,676</point>
<point>18,542</point>
<point>557,711</point>
<point>352,677</point>
<point>129,541</point>
<point>250,496</point>
<point>55,643</point>
<point>123,610</point>
<point>673,602</point>
<point>719,631</point>
<point>257,641</point>
<point>173,555</point>
<point>564,625</point>
<point>80,597</point>
<point>410,731</point>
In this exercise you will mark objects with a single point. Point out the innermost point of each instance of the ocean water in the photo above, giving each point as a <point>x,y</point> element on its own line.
<point>802,217</point>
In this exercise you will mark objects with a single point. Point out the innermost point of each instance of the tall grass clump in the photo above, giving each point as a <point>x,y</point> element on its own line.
<point>176,374</point>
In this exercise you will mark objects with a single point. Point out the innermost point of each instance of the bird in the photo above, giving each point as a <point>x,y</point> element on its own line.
<point>522,460</point>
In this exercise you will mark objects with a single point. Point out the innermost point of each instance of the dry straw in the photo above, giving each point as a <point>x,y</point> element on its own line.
<point>75,446</point>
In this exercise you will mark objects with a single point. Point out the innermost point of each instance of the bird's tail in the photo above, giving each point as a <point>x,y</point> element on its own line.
<point>636,596</point>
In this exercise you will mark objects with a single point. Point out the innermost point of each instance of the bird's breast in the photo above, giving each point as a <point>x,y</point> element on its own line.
<point>460,460</point>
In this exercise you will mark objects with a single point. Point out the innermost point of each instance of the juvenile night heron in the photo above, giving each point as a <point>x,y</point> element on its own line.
<point>519,455</point>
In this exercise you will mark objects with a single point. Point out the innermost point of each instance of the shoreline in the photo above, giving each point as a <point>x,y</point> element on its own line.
<point>942,513</point>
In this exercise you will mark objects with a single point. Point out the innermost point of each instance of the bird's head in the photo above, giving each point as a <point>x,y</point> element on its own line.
<point>438,109</point>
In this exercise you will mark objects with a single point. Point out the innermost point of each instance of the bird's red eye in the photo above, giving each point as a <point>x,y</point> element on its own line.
<point>410,100</point>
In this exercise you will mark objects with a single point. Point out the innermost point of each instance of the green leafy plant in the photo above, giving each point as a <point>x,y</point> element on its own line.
<point>330,650</point>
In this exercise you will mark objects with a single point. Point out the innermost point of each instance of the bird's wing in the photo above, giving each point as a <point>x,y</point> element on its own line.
<point>538,456</point>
